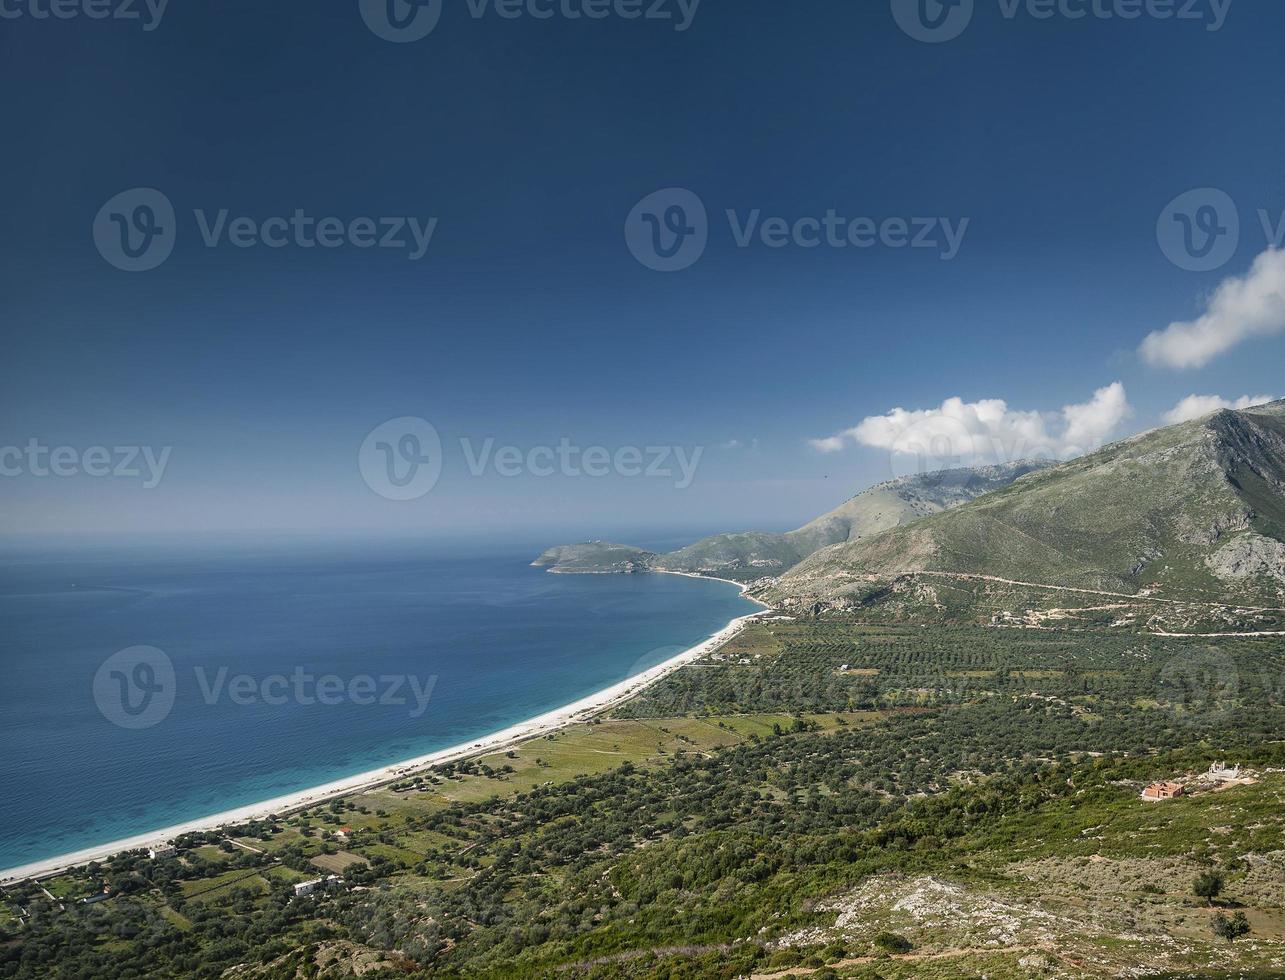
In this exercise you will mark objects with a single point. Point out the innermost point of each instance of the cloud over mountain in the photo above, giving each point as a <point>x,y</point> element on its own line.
<point>1195,406</point>
<point>987,431</point>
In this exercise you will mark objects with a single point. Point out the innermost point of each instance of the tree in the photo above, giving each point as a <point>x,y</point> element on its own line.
<point>1208,885</point>
<point>1231,929</point>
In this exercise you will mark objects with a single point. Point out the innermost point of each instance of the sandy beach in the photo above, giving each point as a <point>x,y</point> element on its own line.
<point>501,740</point>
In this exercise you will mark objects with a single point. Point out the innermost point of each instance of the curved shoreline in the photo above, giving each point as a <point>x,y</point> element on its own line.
<point>569,714</point>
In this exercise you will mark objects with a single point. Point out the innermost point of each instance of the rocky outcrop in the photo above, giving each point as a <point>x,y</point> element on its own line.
<point>1248,556</point>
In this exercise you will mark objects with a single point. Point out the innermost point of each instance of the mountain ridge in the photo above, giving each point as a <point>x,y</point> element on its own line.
<point>750,555</point>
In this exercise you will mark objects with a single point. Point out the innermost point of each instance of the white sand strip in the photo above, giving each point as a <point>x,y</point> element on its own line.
<point>542,725</point>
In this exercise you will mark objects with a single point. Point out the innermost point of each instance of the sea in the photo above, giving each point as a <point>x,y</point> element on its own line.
<point>148,686</point>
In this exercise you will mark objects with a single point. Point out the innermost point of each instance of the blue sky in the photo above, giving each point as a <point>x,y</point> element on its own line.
<point>529,322</point>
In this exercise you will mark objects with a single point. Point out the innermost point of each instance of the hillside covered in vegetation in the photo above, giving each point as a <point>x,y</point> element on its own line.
<point>819,798</point>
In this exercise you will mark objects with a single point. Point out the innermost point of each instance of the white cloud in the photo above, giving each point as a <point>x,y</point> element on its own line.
<point>829,444</point>
<point>1240,308</point>
<point>734,444</point>
<point>960,433</point>
<point>1196,406</point>
<point>1091,424</point>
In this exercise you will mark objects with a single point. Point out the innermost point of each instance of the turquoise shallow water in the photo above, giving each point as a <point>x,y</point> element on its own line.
<point>490,639</point>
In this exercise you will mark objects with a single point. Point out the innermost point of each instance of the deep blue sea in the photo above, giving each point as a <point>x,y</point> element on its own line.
<point>493,640</point>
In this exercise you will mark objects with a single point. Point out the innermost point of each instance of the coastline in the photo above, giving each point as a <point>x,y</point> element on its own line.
<point>577,711</point>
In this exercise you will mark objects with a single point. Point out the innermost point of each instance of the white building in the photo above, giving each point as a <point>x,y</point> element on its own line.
<point>1221,771</point>
<point>303,888</point>
<point>162,851</point>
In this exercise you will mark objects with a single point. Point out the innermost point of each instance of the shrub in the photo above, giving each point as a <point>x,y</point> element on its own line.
<point>892,942</point>
<point>1230,929</point>
<point>784,957</point>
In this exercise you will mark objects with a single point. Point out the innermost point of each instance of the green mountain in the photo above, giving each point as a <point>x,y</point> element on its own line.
<point>1193,513</point>
<point>595,558</point>
<point>755,554</point>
